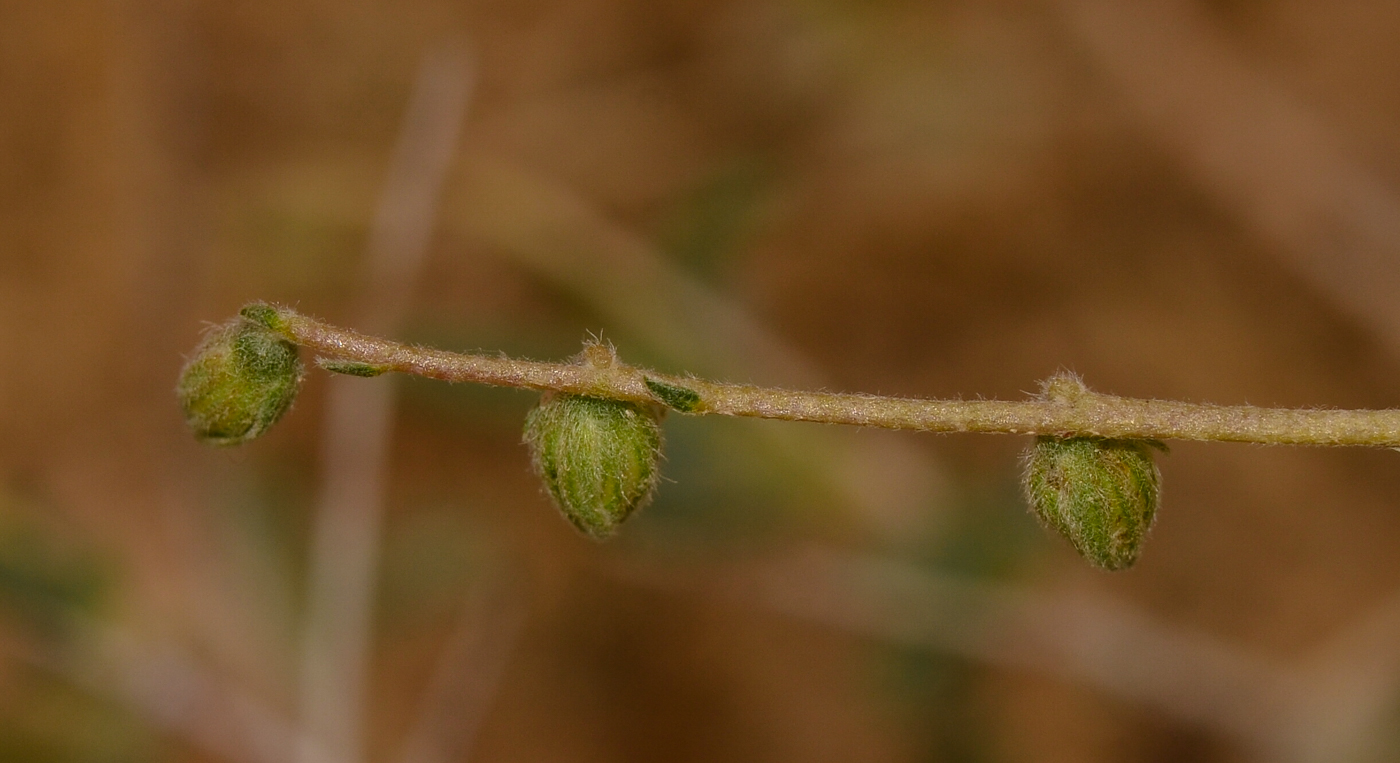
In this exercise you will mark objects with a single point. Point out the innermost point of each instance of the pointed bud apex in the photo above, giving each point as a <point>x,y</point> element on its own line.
<point>239,382</point>
<point>598,458</point>
<point>1102,495</point>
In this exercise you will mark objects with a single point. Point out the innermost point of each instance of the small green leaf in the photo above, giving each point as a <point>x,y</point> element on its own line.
<point>351,367</point>
<point>680,398</point>
<point>598,458</point>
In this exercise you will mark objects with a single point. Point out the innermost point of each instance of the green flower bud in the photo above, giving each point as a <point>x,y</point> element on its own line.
<point>239,382</point>
<point>598,458</point>
<point>1100,494</point>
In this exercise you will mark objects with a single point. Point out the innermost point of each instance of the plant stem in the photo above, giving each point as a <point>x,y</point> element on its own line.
<point>1067,408</point>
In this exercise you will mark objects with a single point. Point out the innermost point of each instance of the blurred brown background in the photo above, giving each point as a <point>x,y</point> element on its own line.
<point>1174,198</point>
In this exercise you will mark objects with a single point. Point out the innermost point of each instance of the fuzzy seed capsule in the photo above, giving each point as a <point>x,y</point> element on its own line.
<point>598,458</point>
<point>1102,495</point>
<point>239,382</point>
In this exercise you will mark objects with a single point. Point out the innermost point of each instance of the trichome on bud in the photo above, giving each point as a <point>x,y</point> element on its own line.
<point>1102,495</point>
<point>598,458</point>
<point>239,382</point>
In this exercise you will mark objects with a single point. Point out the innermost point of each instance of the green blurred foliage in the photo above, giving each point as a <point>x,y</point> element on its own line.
<point>54,723</point>
<point>433,555</point>
<point>46,576</point>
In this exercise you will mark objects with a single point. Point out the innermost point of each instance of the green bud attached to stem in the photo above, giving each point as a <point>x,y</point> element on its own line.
<point>239,382</point>
<point>598,458</point>
<point>1102,495</point>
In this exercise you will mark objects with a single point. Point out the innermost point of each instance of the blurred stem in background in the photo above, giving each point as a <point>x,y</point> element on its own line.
<point>1273,164</point>
<point>346,538</point>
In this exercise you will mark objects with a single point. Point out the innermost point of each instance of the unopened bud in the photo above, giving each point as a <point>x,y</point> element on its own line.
<point>239,382</point>
<point>598,458</point>
<point>1102,495</point>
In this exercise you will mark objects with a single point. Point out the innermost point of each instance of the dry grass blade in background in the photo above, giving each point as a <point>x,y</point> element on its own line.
<point>467,674</point>
<point>1275,166</point>
<point>1276,711</point>
<point>358,426</point>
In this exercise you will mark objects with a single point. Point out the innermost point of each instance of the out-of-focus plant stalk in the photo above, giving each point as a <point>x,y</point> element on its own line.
<point>346,538</point>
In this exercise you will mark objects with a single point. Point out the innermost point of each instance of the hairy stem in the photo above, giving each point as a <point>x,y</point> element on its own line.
<point>1066,409</point>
